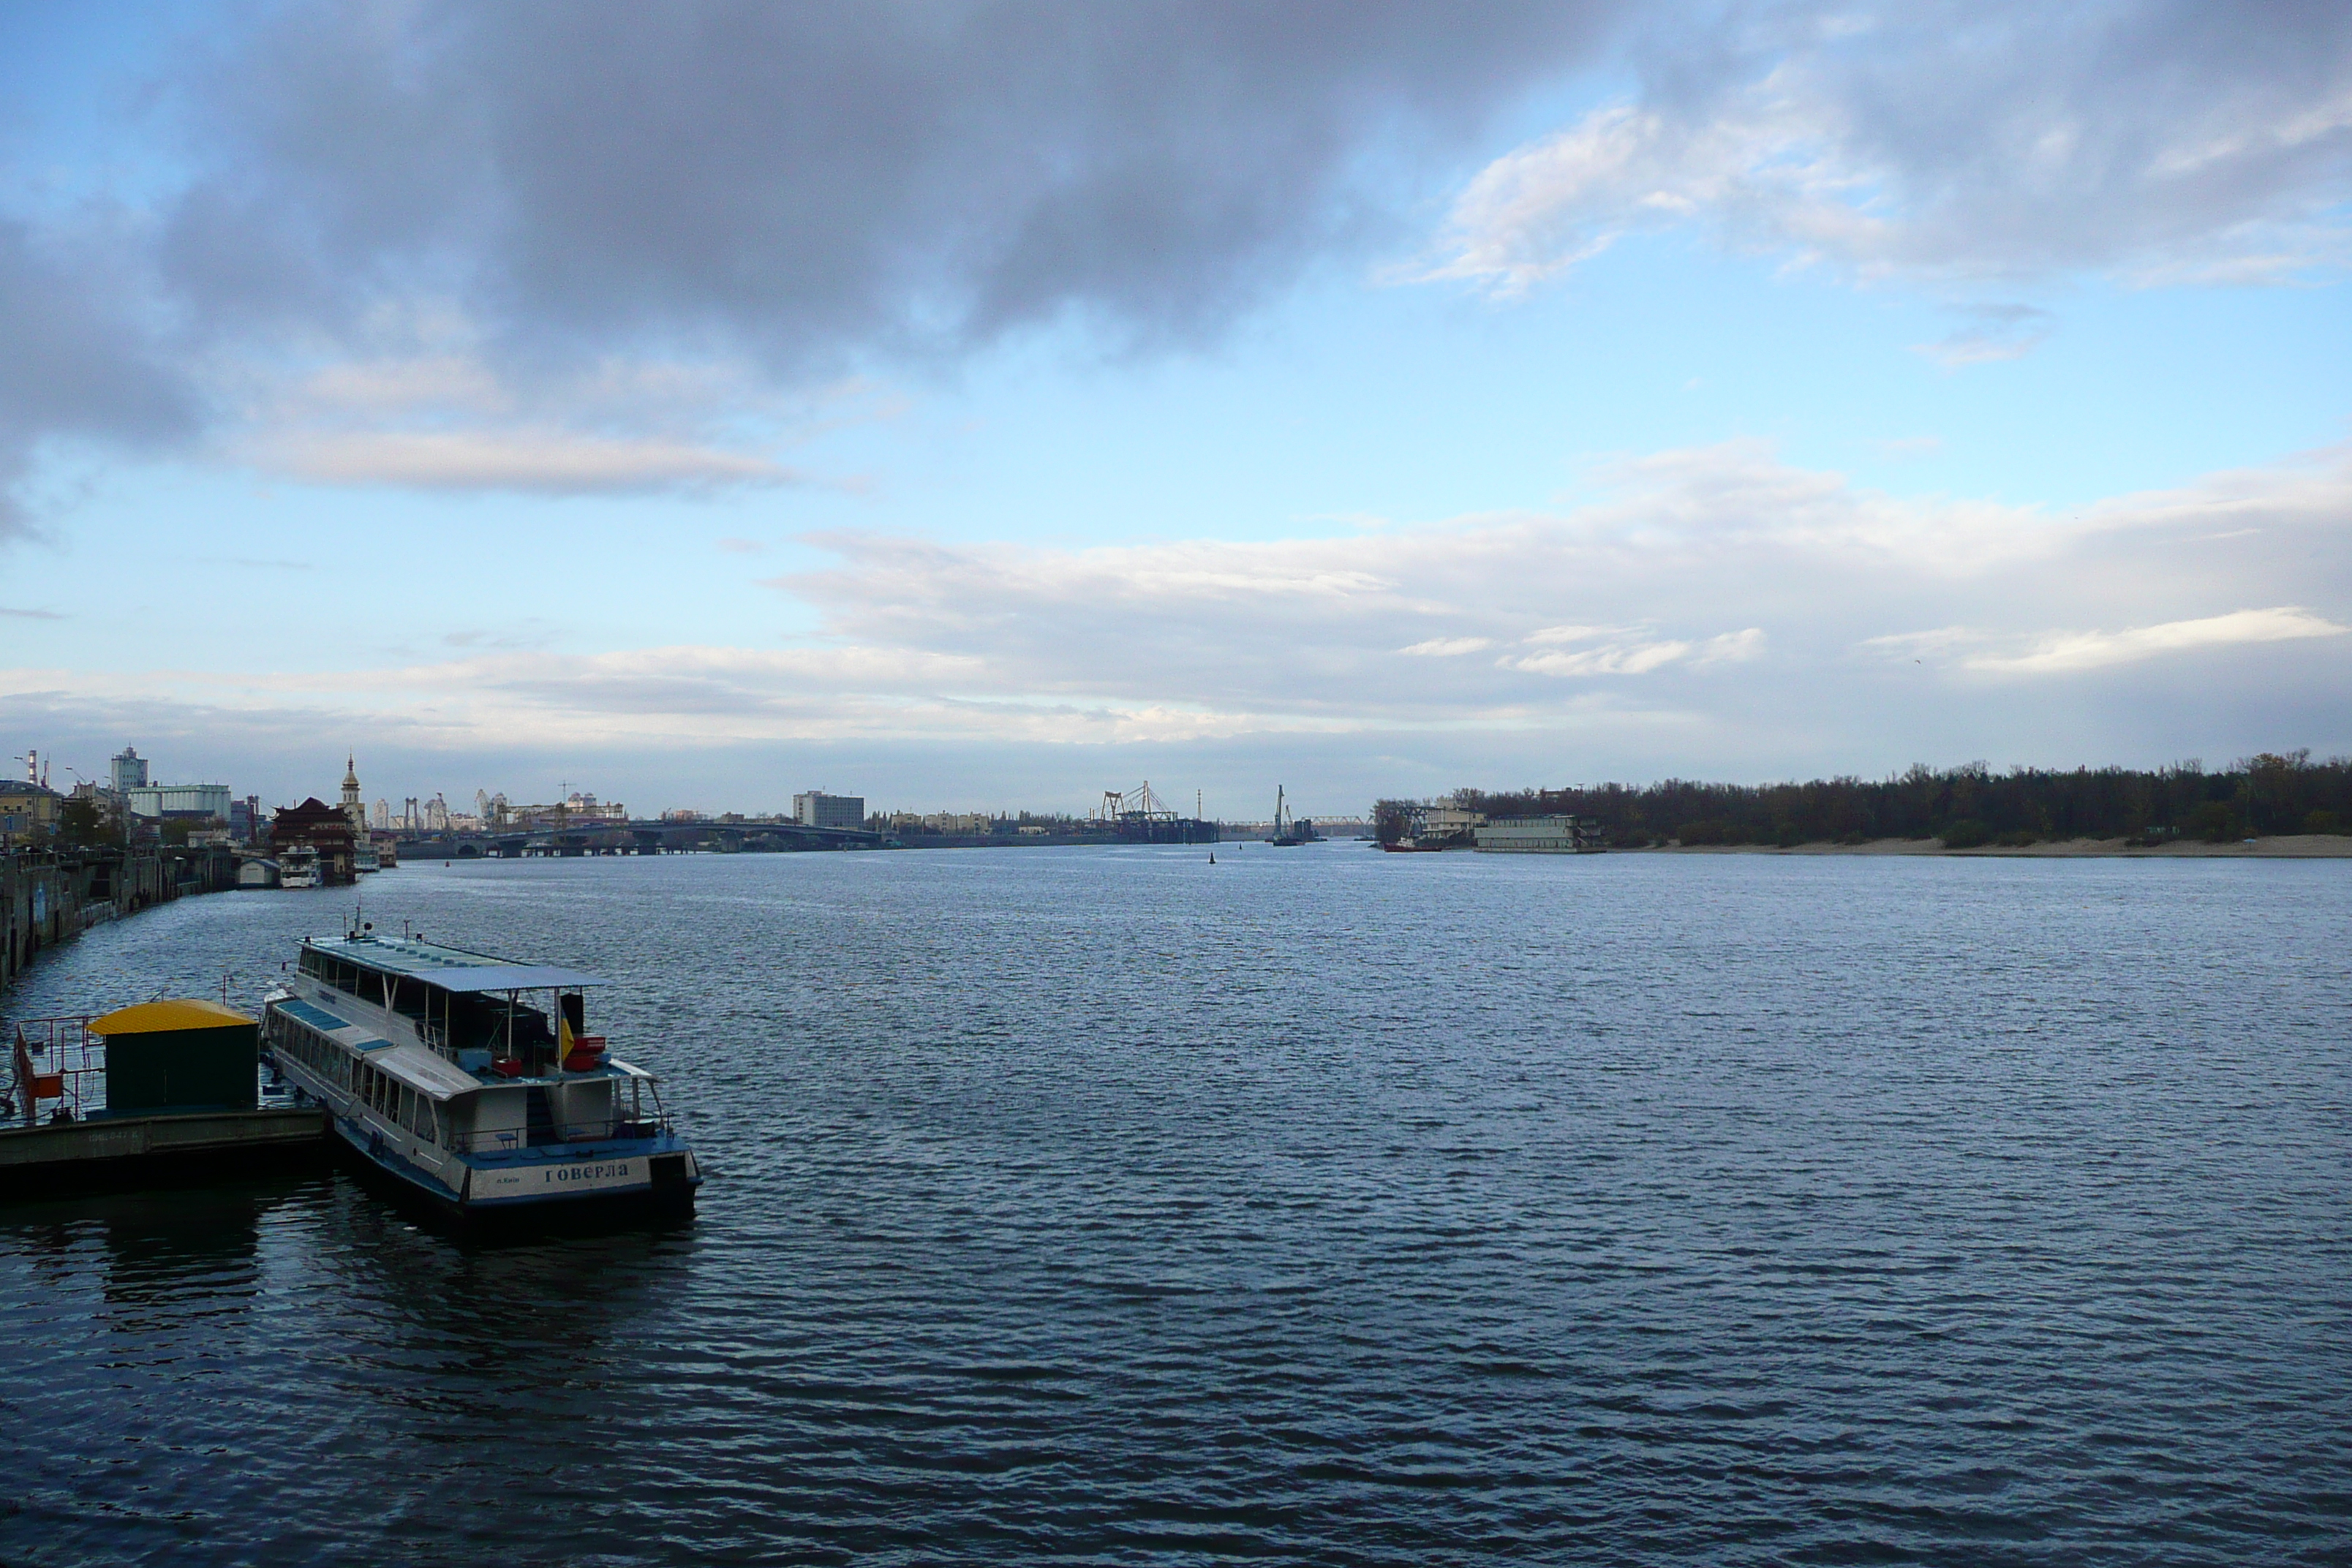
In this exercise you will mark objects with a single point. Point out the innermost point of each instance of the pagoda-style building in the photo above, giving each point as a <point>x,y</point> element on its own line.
<point>325,829</point>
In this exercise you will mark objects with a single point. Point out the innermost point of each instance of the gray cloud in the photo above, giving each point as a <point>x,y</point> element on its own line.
<point>471,213</point>
<point>796,182</point>
<point>74,360</point>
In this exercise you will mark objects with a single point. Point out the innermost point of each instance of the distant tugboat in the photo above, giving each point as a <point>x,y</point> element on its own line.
<point>441,1077</point>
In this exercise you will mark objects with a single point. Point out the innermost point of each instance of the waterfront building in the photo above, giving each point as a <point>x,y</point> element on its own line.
<point>815,808</point>
<point>581,805</point>
<point>580,808</point>
<point>28,809</point>
<point>199,801</point>
<point>322,828</point>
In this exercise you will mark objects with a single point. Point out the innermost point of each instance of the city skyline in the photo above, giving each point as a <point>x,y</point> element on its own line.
<point>1000,404</point>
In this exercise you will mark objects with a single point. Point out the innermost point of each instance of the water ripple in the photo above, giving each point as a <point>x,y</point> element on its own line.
<point>1080,1206</point>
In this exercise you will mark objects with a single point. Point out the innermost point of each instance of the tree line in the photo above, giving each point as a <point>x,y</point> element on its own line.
<point>2272,793</point>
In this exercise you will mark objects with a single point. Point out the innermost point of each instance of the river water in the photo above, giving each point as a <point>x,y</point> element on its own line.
<point>1094,1206</point>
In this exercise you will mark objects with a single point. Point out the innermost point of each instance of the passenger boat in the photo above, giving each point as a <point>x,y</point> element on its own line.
<point>444,1073</point>
<point>298,867</point>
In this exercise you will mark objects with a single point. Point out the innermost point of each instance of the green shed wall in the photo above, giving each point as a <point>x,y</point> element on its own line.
<point>182,1069</point>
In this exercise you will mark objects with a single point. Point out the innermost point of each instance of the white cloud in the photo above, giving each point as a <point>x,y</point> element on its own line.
<point>2001,333</point>
<point>2148,143</point>
<point>1574,634</point>
<point>1731,647</point>
<point>1612,659</point>
<point>552,461</point>
<point>1632,657</point>
<point>418,404</point>
<point>1648,613</point>
<point>2059,653</point>
<point>1918,645</point>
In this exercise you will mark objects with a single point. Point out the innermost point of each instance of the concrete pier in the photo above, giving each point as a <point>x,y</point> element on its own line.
<point>64,1159</point>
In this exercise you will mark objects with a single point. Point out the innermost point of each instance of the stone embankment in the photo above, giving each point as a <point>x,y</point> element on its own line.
<point>49,896</point>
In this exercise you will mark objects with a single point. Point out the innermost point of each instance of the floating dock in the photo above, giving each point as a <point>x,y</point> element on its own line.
<point>64,1159</point>
<point>159,1092</point>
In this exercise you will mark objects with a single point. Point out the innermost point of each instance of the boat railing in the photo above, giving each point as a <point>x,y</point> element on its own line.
<point>611,1130</point>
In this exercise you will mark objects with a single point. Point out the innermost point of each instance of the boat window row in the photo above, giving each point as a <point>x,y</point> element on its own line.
<point>325,1059</point>
<point>398,1103</point>
<point>452,1021</point>
<point>374,986</point>
<point>382,1092</point>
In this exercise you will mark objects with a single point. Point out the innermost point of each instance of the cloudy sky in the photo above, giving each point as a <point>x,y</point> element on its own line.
<point>983,404</point>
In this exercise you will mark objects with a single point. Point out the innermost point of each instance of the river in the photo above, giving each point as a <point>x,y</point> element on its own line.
<point>1099,1205</point>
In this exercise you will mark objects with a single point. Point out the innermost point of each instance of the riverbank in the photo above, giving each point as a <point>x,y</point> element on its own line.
<point>49,896</point>
<point>2283,846</point>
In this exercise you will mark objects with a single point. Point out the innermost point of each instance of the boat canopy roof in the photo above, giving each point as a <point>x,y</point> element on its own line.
<point>448,968</point>
<point>424,1072</point>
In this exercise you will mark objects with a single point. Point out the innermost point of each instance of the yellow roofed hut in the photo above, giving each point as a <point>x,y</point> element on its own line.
<point>179,1055</point>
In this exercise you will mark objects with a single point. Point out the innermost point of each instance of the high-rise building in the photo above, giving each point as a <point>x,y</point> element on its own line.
<point>815,808</point>
<point>128,770</point>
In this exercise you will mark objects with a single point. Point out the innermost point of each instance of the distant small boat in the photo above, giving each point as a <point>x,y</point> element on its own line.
<point>298,867</point>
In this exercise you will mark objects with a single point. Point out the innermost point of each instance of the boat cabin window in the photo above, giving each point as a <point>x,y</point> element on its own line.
<point>479,1021</point>
<point>346,977</point>
<point>408,997</point>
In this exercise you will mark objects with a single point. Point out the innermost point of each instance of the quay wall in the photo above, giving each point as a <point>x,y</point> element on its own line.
<point>49,896</point>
